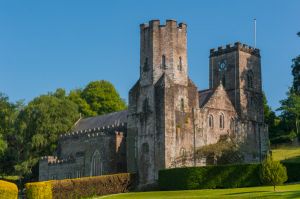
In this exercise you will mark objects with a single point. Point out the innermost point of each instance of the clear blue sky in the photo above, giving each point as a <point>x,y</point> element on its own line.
<point>45,45</point>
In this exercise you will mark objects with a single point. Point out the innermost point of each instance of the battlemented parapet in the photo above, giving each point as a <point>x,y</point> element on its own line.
<point>163,49</point>
<point>234,47</point>
<point>94,132</point>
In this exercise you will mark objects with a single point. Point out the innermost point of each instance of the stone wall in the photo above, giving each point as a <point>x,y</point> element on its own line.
<point>76,151</point>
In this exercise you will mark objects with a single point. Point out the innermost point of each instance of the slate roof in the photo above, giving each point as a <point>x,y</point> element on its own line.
<point>204,96</point>
<point>114,118</point>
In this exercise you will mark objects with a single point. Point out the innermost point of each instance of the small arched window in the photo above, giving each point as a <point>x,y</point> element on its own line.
<point>211,121</point>
<point>221,121</point>
<point>182,152</point>
<point>180,64</point>
<point>250,79</point>
<point>163,62</point>
<point>182,104</point>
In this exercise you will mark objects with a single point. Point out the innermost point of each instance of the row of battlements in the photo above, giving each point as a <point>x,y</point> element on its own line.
<point>153,24</point>
<point>94,132</point>
<point>53,160</point>
<point>234,47</point>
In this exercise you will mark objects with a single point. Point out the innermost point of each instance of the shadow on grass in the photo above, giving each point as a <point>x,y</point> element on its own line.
<point>281,194</point>
<point>241,193</point>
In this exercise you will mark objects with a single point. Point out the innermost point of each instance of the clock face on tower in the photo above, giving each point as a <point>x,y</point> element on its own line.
<point>222,65</point>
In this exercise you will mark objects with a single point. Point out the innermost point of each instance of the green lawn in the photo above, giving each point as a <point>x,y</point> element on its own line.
<point>290,154</point>
<point>287,191</point>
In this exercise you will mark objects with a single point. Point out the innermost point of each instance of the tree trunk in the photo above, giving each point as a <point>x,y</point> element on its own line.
<point>274,187</point>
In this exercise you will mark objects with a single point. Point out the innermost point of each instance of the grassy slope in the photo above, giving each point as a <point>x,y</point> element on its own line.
<point>287,191</point>
<point>290,154</point>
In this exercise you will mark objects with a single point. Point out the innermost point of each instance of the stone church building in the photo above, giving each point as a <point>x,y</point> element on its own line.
<point>168,118</point>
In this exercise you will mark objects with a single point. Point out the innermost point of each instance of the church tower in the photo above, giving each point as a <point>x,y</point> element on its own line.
<point>163,50</point>
<point>161,102</point>
<point>238,68</point>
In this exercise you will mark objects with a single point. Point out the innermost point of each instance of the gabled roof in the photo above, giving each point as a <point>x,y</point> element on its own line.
<point>204,96</point>
<point>114,118</point>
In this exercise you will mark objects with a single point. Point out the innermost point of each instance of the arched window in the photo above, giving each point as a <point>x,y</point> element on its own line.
<point>182,152</point>
<point>96,164</point>
<point>250,79</point>
<point>182,104</point>
<point>163,62</point>
<point>211,121</point>
<point>180,64</point>
<point>221,121</point>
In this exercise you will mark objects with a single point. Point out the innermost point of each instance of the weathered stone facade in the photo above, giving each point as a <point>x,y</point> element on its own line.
<point>168,119</point>
<point>96,146</point>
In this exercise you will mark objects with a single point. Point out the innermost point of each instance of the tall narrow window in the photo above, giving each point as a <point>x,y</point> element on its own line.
<point>250,79</point>
<point>96,164</point>
<point>223,81</point>
<point>146,65</point>
<point>180,64</point>
<point>221,121</point>
<point>232,124</point>
<point>211,121</point>
<point>163,62</point>
<point>182,104</point>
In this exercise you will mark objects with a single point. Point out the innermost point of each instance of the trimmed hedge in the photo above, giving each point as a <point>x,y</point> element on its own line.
<point>8,190</point>
<point>210,177</point>
<point>80,187</point>
<point>293,171</point>
<point>39,190</point>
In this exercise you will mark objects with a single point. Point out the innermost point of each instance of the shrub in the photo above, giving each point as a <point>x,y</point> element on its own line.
<point>273,172</point>
<point>210,177</point>
<point>39,190</point>
<point>80,187</point>
<point>293,171</point>
<point>8,190</point>
<point>92,186</point>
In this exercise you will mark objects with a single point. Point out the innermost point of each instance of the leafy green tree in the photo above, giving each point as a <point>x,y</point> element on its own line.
<point>290,108</point>
<point>225,151</point>
<point>270,118</point>
<point>273,172</point>
<point>38,126</point>
<point>288,127</point>
<point>296,73</point>
<point>8,114</point>
<point>102,97</point>
<point>83,106</point>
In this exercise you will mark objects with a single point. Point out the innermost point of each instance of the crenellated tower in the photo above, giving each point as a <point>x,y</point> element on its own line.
<point>161,102</point>
<point>163,50</point>
<point>238,68</point>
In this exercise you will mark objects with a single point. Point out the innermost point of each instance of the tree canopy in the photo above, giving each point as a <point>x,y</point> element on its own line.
<point>30,131</point>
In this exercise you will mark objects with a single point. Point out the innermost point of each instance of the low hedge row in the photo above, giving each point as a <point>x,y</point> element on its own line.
<point>80,187</point>
<point>8,190</point>
<point>210,177</point>
<point>293,171</point>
